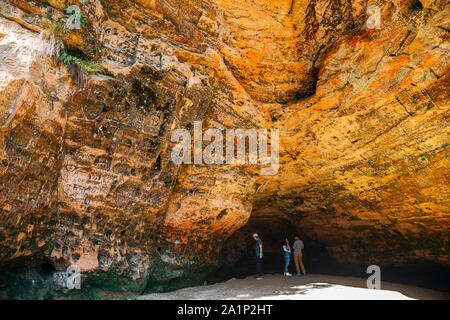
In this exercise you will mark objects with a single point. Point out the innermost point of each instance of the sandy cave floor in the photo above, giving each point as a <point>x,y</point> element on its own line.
<point>312,286</point>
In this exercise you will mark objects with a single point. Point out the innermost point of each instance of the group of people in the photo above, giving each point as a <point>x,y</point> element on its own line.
<point>288,251</point>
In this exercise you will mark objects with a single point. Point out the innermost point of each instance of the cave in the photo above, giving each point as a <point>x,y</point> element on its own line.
<point>272,226</point>
<point>357,115</point>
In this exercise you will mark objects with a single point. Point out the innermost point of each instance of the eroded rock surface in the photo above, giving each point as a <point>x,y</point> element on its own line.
<point>86,176</point>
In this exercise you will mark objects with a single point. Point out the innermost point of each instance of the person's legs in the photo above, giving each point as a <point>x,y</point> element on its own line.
<point>259,266</point>
<point>296,260</point>
<point>286,263</point>
<point>288,260</point>
<point>301,263</point>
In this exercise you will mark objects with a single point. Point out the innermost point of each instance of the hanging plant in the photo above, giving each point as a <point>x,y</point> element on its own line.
<point>87,66</point>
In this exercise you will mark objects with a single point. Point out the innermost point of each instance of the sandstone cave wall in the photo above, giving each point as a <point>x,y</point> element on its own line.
<point>85,170</point>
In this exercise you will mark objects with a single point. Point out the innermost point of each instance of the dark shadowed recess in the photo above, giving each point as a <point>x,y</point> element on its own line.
<point>421,273</point>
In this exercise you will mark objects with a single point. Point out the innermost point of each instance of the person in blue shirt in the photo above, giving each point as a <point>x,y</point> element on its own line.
<point>287,256</point>
<point>259,255</point>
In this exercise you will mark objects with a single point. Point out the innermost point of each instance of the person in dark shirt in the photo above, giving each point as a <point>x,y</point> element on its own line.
<point>259,255</point>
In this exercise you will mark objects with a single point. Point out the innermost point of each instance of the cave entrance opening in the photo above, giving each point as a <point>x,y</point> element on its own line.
<point>272,225</point>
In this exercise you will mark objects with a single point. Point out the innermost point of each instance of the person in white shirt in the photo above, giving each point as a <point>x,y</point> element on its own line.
<point>298,255</point>
<point>287,256</point>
